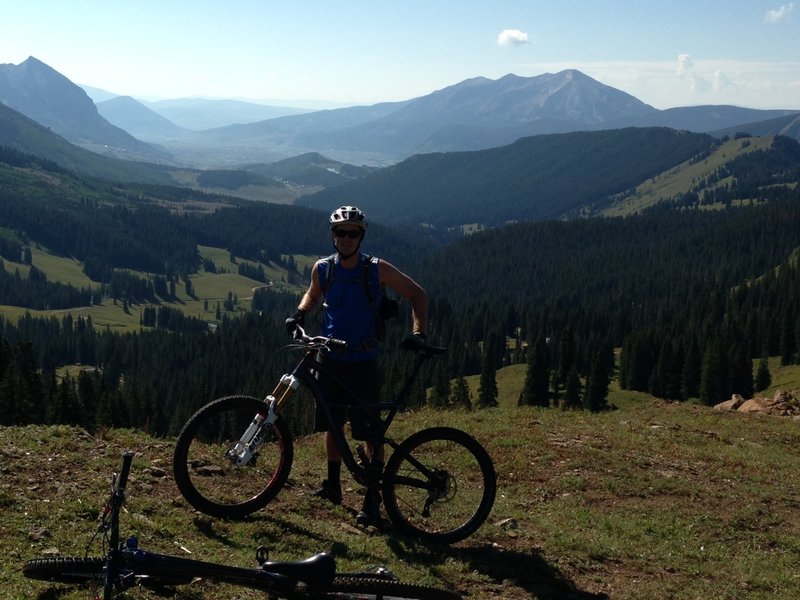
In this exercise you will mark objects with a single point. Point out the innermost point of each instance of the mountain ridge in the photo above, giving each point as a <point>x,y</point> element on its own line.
<point>474,114</point>
<point>40,92</point>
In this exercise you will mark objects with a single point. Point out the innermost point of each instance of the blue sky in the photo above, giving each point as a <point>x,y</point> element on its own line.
<point>669,53</point>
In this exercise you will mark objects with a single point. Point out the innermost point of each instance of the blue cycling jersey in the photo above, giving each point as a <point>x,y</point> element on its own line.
<point>352,300</point>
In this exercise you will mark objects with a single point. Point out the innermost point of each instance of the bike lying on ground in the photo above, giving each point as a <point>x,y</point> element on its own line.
<point>234,455</point>
<point>125,565</point>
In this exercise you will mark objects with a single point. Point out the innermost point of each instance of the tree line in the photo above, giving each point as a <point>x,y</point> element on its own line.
<point>690,297</point>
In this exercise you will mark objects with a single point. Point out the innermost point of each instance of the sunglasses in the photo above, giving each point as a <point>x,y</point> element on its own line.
<point>349,233</point>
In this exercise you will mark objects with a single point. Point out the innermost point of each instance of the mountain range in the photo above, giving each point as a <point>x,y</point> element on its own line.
<point>475,114</point>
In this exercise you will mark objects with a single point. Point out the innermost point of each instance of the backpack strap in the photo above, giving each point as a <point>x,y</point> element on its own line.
<point>366,261</point>
<point>329,273</point>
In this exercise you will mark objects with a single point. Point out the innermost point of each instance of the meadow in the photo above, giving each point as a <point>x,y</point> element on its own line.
<point>650,500</point>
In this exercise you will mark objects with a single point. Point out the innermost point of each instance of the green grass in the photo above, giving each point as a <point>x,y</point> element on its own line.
<point>652,500</point>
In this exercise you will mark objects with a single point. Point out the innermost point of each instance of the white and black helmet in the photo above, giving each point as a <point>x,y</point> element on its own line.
<point>348,215</point>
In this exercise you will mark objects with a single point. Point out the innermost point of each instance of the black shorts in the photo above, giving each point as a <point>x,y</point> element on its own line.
<point>363,379</point>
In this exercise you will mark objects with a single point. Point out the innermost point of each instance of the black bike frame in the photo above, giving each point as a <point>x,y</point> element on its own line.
<point>306,371</point>
<point>114,558</point>
<point>136,561</point>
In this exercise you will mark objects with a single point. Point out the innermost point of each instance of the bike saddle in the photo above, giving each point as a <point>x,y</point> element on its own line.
<point>318,570</point>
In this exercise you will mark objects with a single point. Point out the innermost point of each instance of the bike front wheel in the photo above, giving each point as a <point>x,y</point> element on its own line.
<point>88,571</point>
<point>439,485</point>
<point>205,463</point>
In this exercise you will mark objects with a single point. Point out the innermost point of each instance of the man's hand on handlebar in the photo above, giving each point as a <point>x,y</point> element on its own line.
<point>298,319</point>
<point>317,341</point>
<point>417,342</point>
<point>414,342</point>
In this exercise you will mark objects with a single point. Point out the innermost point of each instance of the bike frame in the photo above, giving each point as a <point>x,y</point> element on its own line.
<point>137,562</point>
<point>307,370</point>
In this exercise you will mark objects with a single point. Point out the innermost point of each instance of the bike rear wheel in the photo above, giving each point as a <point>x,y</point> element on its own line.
<point>439,485</point>
<point>360,587</point>
<point>210,479</point>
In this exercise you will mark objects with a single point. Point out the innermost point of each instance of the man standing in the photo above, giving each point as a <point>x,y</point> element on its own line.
<point>349,284</point>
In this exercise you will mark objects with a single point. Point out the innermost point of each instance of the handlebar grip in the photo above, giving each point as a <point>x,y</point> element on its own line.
<point>122,478</point>
<point>417,344</point>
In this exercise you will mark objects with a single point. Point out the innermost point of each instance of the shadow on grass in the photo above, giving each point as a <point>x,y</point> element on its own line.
<point>206,526</point>
<point>527,571</point>
<point>53,593</point>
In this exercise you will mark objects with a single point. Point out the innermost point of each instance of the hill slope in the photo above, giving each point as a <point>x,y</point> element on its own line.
<point>135,118</point>
<point>43,94</point>
<point>542,177</point>
<point>25,135</point>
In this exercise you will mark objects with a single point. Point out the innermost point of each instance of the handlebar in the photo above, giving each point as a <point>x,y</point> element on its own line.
<point>316,342</point>
<point>413,343</point>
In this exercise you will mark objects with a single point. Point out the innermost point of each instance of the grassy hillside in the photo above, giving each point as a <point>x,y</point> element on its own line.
<point>209,289</point>
<point>681,178</point>
<point>651,501</point>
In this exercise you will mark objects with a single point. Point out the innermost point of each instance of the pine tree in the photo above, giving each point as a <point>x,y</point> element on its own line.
<point>713,376</point>
<point>67,408</point>
<point>740,376</point>
<point>88,400</point>
<point>460,396</point>
<point>572,391</point>
<point>690,375</point>
<point>440,392</point>
<point>763,377</point>
<point>537,377</point>
<point>566,355</point>
<point>595,397</point>
<point>487,390</point>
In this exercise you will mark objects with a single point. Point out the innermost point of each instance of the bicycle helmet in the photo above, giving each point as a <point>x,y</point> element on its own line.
<point>348,215</point>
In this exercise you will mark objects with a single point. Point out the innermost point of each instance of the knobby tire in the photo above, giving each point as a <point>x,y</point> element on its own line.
<point>208,480</point>
<point>375,588</point>
<point>84,571</point>
<point>464,497</point>
<point>89,571</point>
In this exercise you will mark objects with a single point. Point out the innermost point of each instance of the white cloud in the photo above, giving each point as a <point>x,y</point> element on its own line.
<point>685,72</point>
<point>685,64</point>
<point>512,37</point>
<point>777,15</point>
<point>762,85</point>
<point>721,81</point>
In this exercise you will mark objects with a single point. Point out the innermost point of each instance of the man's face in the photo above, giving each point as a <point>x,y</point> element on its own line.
<point>347,239</point>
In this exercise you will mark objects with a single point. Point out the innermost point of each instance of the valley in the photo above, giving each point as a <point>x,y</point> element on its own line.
<point>601,276</point>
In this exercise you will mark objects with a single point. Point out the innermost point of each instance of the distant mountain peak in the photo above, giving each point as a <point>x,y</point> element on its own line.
<point>41,93</point>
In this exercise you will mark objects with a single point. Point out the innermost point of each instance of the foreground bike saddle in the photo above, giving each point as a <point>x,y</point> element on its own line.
<point>316,571</point>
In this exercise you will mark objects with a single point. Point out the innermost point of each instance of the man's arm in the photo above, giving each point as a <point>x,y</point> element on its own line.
<point>401,283</point>
<point>313,294</point>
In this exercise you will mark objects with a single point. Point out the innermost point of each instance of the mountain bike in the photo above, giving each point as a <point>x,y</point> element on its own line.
<point>126,565</point>
<point>234,455</point>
